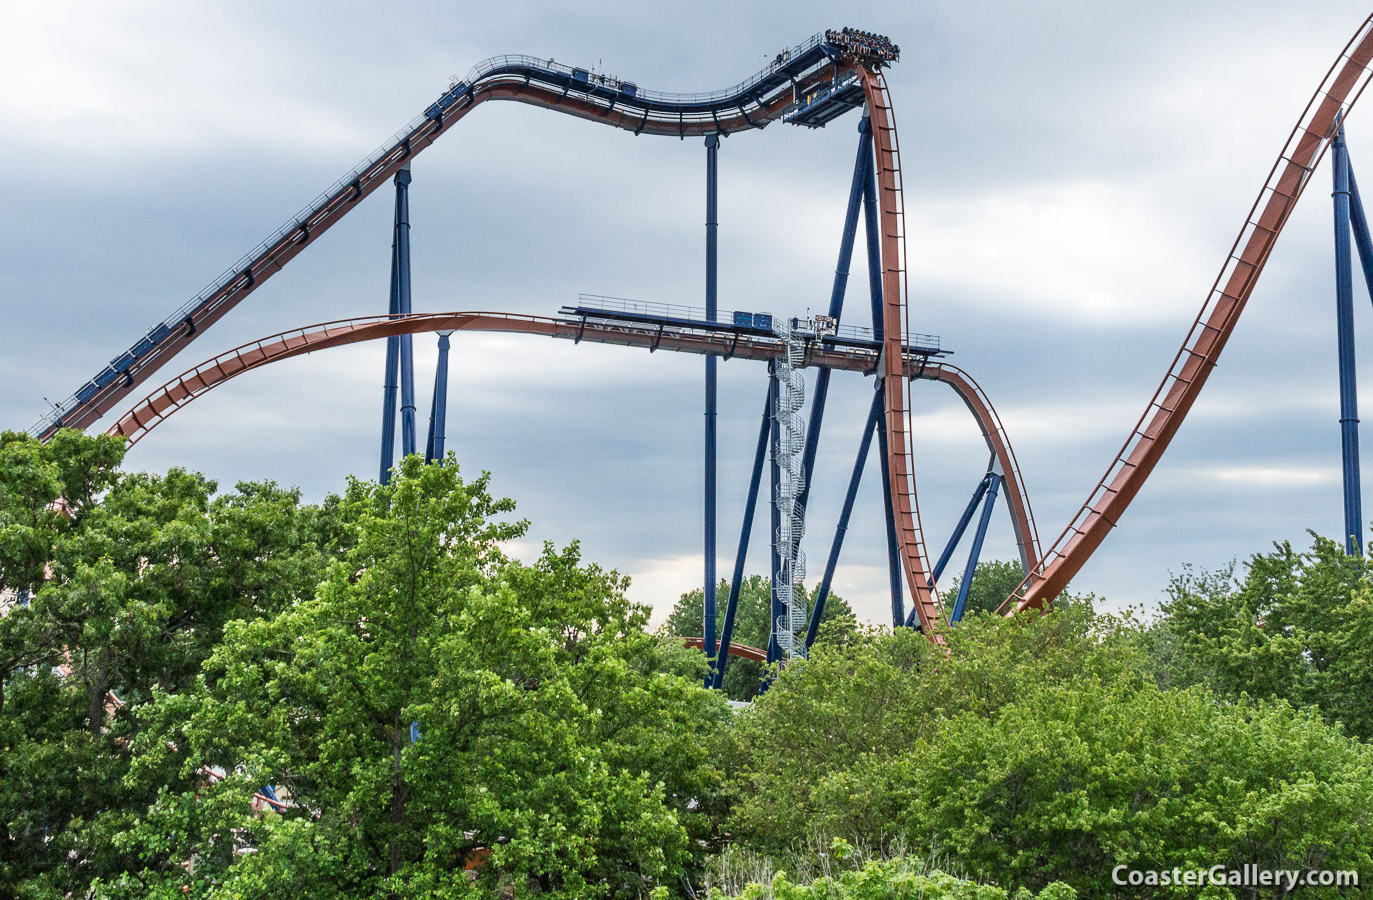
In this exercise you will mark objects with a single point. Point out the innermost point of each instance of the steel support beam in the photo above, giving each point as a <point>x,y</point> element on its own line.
<point>993,484</point>
<point>962,526</point>
<point>388,395</point>
<point>750,505</point>
<point>401,281</point>
<point>1344,319</point>
<point>862,169</point>
<point>821,595</point>
<point>399,354</point>
<point>712,227</point>
<point>1363,238</point>
<point>438,412</point>
<point>898,597</point>
<point>873,237</point>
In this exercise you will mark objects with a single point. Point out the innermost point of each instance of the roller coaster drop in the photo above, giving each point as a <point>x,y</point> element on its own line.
<point>809,85</point>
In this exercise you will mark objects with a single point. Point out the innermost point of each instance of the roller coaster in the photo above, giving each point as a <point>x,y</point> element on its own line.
<point>809,85</point>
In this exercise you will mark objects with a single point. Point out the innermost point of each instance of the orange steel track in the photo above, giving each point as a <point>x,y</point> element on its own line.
<point>895,323</point>
<point>743,651</point>
<point>148,413</point>
<point>1201,348</point>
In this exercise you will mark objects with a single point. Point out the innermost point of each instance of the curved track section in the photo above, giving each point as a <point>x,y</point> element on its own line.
<point>1192,365</point>
<point>994,433</point>
<point>753,103</point>
<point>195,382</point>
<point>742,651</point>
<point>156,407</point>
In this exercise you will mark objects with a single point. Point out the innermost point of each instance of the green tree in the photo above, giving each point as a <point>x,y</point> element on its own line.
<point>46,492</point>
<point>843,717</point>
<point>751,626</point>
<point>551,727</point>
<point>1296,626</point>
<point>993,582</point>
<point>1041,749</point>
<point>121,586</point>
<point>894,879</point>
<point>1074,780</point>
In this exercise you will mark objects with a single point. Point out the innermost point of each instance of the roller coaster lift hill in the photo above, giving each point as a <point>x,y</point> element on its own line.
<point>809,85</point>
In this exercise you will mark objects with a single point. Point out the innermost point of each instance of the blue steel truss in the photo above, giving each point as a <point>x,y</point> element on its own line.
<point>1349,218</point>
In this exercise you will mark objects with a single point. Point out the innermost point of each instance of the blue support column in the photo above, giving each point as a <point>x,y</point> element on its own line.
<point>962,526</point>
<point>438,414</point>
<point>873,236</point>
<point>898,596</point>
<point>433,408</point>
<point>433,450</point>
<point>861,168</point>
<point>401,261</point>
<point>822,595</point>
<point>388,397</point>
<point>712,226</point>
<point>751,504</point>
<point>993,483</point>
<point>1363,240</point>
<point>1344,317</point>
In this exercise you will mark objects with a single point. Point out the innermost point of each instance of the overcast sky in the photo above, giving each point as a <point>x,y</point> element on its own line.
<point>1075,174</point>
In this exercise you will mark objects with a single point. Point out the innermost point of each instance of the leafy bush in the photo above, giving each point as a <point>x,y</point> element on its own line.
<point>897,879</point>
<point>1039,751</point>
<point>1296,626</point>
<point>841,718</point>
<point>751,626</point>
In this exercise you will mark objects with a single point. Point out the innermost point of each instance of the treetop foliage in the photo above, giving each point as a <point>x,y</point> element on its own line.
<point>895,879</point>
<point>1042,750</point>
<point>237,694</point>
<point>752,626</point>
<point>1296,626</point>
<point>435,697</point>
